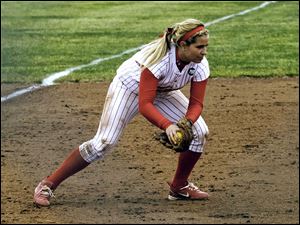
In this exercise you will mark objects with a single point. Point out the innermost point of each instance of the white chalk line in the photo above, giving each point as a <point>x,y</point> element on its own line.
<point>50,80</point>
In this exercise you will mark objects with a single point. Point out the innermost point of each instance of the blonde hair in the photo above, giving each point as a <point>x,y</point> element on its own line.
<point>158,48</point>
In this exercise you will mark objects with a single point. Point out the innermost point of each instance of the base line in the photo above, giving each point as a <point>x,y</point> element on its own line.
<point>50,80</point>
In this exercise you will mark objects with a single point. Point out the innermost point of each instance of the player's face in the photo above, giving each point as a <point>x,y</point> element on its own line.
<point>196,51</point>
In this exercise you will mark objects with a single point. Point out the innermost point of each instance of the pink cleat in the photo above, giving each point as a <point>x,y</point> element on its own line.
<point>43,193</point>
<point>188,192</point>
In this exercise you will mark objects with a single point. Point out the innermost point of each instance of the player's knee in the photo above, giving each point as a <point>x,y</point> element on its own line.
<point>103,146</point>
<point>87,151</point>
<point>200,129</point>
<point>206,134</point>
<point>92,150</point>
<point>202,134</point>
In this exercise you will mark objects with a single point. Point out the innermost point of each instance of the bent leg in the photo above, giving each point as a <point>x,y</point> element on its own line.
<point>174,106</point>
<point>120,107</point>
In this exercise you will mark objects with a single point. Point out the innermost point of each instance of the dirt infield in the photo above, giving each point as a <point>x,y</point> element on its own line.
<point>250,166</point>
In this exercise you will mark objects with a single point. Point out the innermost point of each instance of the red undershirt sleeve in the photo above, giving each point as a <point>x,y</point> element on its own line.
<point>197,94</point>
<point>147,94</point>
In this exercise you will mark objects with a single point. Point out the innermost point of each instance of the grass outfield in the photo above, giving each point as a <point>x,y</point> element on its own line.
<point>42,38</point>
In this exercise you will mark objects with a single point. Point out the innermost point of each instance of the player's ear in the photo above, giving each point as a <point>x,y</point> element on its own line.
<point>182,43</point>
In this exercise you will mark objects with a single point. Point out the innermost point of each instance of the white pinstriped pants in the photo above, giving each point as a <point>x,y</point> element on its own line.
<point>121,105</point>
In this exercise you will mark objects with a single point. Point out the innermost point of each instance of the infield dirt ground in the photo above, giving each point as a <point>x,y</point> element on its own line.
<point>250,166</point>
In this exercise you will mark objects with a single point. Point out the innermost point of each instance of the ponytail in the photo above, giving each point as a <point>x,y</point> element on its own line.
<point>158,48</point>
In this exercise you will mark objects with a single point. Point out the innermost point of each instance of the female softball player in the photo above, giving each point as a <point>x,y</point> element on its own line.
<point>149,83</point>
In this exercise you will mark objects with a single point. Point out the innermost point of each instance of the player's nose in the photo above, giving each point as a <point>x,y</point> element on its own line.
<point>202,54</point>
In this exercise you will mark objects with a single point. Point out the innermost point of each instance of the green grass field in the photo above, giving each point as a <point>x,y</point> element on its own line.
<point>42,38</point>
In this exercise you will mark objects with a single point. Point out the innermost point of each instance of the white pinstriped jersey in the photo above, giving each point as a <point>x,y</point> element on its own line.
<point>121,104</point>
<point>170,78</point>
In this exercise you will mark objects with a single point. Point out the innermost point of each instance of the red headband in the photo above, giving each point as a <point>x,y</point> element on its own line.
<point>191,33</point>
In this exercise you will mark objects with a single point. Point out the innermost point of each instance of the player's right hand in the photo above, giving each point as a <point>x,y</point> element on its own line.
<point>171,133</point>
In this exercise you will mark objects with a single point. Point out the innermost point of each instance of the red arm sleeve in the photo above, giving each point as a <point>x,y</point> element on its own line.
<point>197,94</point>
<point>147,93</point>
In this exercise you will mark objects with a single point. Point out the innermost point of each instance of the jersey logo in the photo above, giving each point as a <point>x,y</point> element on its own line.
<point>191,71</point>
